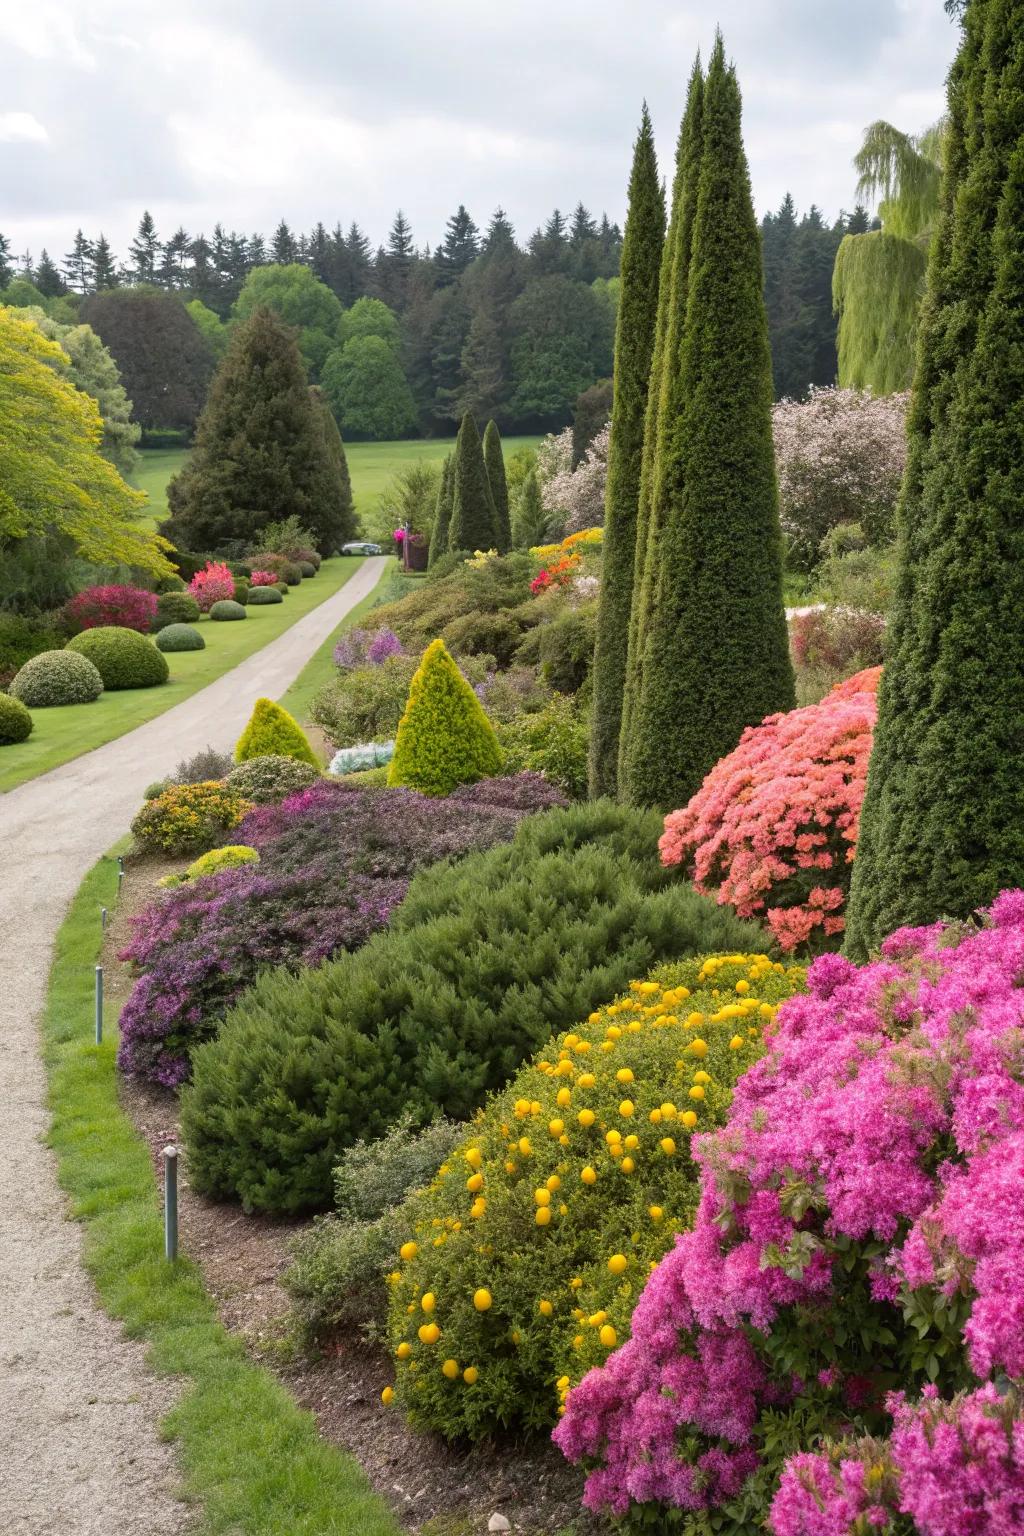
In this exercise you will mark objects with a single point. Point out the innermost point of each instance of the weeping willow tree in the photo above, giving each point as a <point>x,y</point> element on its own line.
<point>878,279</point>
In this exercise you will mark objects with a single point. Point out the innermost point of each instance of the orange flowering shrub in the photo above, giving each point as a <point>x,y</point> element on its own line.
<point>773,828</point>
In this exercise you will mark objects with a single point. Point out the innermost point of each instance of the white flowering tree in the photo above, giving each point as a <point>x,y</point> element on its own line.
<point>574,497</point>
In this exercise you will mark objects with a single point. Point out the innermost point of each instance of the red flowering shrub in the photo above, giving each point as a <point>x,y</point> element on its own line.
<point>126,607</point>
<point>214,584</point>
<point>263,579</point>
<point>774,825</point>
<point>558,575</point>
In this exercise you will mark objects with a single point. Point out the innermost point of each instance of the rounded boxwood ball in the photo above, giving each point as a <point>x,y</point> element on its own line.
<point>307,567</point>
<point>15,721</point>
<point>259,596</point>
<point>123,657</point>
<point>226,609</point>
<point>180,637</point>
<point>175,608</point>
<point>57,677</point>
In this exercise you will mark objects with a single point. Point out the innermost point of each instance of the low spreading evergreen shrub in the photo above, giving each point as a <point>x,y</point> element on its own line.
<point>15,721</point>
<point>443,738</point>
<point>179,637</point>
<point>482,961</point>
<point>488,634</point>
<point>123,657</point>
<point>357,759</point>
<point>260,597</point>
<point>269,778</point>
<point>272,732</point>
<point>175,608</point>
<point>188,818</point>
<point>553,741</point>
<point>56,677</point>
<point>227,610</point>
<point>566,648</point>
<point>567,1191</point>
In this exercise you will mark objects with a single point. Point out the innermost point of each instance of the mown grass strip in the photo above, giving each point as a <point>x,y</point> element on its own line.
<point>252,1461</point>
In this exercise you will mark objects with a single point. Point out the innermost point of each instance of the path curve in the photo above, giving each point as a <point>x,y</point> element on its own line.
<point>79,1449</point>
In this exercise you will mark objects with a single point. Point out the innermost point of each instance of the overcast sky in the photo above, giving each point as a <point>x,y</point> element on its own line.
<point>252,110</point>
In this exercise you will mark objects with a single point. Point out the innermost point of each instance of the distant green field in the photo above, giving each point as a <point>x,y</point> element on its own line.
<point>371,466</point>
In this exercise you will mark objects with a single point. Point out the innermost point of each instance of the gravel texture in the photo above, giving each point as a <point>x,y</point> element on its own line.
<point>80,1453</point>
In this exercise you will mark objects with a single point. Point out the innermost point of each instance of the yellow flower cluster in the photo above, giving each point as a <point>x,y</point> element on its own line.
<point>534,1240</point>
<point>573,543</point>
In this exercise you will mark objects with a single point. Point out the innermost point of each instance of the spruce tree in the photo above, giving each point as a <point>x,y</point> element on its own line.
<point>334,518</point>
<point>260,453</point>
<point>442,514</point>
<point>942,828</point>
<point>634,347</point>
<point>474,518</point>
<point>531,516</point>
<point>716,652</point>
<point>662,409</point>
<point>494,461</point>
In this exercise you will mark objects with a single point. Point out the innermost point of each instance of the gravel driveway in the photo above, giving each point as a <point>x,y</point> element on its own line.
<point>79,1449</point>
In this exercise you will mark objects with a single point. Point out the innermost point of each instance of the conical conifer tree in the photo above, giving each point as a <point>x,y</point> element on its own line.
<point>474,519</point>
<point>531,518</point>
<point>716,653</point>
<point>442,514</point>
<point>444,738</point>
<point>942,827</point>
<point>494,462</point>
<point>662,401</point>
<point>334,518</point>
<point>260,453</point>
<point>634,347</point>
<point>272,732</point>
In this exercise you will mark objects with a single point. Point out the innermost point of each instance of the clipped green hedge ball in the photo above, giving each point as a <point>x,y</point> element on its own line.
<point>259,596</point>
<point>15,721</point>
<point>123,657</point>
<point>180,637</point>
<point>226,609</point>
<point>307,567</point>
<point>57,677</point>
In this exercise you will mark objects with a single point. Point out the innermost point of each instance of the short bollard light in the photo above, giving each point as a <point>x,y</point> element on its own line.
<point>170,1203</point>
<point>120,872</point>
<point>99,1005</point>
<point>103,919</point>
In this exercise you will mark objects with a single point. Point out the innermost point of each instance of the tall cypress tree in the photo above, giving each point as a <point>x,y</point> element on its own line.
<point>942,829</point>
<point>473,513</point>
<point>494,461</point>
<point>442,514</point>
<point>662,407</point>
<point>260,452</point>
<point>333,519</point>
<point>634,346</point>
<point>716,653</point>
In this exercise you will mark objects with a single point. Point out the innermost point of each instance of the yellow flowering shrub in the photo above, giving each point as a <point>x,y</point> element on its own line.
<point>188,818</point>
<point>565,1194</point>
<point>573,543</point>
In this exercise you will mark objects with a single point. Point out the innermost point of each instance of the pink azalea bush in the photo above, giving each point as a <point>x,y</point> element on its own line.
<point>772,831</point>
<point>213,584</point>
<point>860,1228</point>
<point>98,607</point>
<point>263,579</point>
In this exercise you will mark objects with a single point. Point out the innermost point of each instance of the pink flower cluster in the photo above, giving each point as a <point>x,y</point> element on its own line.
<point>773,828</point>
<point>97,607</point>
<point>213,584</point>
<point>263,579</point>
<point>870,1178</point>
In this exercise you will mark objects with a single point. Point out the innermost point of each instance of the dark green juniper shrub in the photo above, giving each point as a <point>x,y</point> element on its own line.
<point>482,961</point>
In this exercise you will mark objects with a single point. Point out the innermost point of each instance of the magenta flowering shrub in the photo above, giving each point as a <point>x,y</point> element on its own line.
<point>334,862</point>
<point>860,1230</point>
<point>99,607</point>
<point>213,584</point>
<point>365,647</point>
<point>772,831</point>
<point>263,579</point>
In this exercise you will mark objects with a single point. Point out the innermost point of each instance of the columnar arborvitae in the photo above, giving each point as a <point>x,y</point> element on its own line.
<point>333,518</point>
<point>715,655</point>
<point>661,397</point>
<point>494,462</point>
<point>634,346</point>
<point>942,829</point>
<point>260,453</point>
<point>473,514</point>
<point>442,514</point>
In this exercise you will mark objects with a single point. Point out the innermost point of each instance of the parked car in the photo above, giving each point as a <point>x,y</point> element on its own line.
<point>361,547</point>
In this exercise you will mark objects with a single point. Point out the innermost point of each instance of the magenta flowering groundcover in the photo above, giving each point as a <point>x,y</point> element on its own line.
<point>855,1273</point>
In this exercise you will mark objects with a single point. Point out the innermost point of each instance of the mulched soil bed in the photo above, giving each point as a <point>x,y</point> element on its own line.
<point>434,1488</point>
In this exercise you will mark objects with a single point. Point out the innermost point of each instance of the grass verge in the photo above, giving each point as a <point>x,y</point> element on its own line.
<point>60,734</point>
<point>252,1461</point>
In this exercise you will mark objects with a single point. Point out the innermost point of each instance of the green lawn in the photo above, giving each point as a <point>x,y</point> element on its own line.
<point>61,734</point>
<point>371,466</point>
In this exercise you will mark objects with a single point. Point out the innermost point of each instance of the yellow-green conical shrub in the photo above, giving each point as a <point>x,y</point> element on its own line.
<point>272,732</point>
<point>444,738</point>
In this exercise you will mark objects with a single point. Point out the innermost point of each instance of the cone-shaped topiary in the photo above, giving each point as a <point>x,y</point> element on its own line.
<point>494,462</point>
<point>272,732</point>
<point>444,738</point>
<point>442,514</point>
<point>474,519</point>
<point>634,346</point>
<point>942,829</point>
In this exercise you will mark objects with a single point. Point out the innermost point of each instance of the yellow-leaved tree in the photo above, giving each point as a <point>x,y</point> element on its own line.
<point>53,479</point>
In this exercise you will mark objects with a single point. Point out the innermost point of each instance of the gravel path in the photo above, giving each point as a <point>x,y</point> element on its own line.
<point>79,1449</point>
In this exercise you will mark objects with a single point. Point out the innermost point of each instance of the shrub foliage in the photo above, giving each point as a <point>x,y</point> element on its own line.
<point>444,738</point>
<point>15,721</point>
<point>123,657</point>
<point>188,818</point>
<point>56,677</point>
<point>272,732</point>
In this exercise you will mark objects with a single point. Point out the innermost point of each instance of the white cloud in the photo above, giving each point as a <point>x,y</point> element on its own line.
<point>21,128</point>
